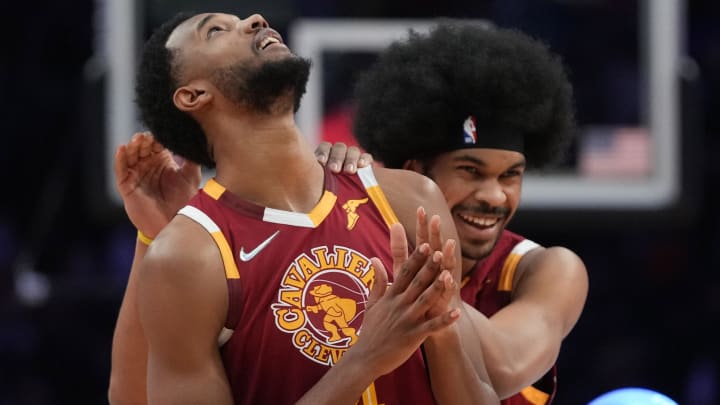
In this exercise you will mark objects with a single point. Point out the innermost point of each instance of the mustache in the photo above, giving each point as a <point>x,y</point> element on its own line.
<point>482,209</point>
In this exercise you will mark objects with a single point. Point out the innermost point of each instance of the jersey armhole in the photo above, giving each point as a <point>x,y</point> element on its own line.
<point>231,270</point>
<point>507,274</point>
<point>367,176</point>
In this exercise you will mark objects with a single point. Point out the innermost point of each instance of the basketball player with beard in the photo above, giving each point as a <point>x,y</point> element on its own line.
<point>219,306</point>
<point>479,106</point>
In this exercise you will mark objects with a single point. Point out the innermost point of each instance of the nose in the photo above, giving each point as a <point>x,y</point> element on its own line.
<point>491,192</point>
<point>254,23</point>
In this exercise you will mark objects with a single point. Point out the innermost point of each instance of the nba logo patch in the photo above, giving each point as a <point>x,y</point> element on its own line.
<point>469,131</point>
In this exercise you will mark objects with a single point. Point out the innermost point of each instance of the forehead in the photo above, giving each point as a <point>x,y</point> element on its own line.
<point>187,29</point>
<point>491,158</point>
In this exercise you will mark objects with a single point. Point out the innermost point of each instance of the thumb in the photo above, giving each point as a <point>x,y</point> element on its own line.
<point>380,284</point>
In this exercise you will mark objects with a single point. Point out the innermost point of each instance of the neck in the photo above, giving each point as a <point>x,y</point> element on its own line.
<point>265,159</point>
<point>468,265</point>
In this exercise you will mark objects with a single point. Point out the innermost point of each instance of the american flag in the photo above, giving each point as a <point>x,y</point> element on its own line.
<point>615,152</point>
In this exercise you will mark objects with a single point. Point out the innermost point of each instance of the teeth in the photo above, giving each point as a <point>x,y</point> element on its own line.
<point>481,221</point>
<point>267,41</point>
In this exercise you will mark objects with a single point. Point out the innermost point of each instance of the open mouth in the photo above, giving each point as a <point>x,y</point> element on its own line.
<point>482,222</point>
<point>267,38</point>
<point>267,42</point>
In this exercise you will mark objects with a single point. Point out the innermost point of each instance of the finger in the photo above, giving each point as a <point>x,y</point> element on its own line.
<point>398,247</point>
<point>322,152</point>
<point>438,323</point>
<point>120,165</point>
<point>365,160</point>
<point>449,260</point>
<point>436,298</point>
<point>435,237</point>
<point>132,149</point>
<point>351,160</point>
<point>337,157</point>
<point>424,278</point>
<point>146,146</point>
<point>421,227</point>
<point>157,147</point>
<point>407,271</point>
<point>380,283</point>
<point>450,285</point>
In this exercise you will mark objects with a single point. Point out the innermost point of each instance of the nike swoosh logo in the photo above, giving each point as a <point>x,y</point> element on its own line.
<point>246,257</point>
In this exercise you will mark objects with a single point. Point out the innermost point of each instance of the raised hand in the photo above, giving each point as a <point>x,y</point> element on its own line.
<point>339,157</point>
<point>399,317</point>
<point>428,231</point>
<point>151,183</point>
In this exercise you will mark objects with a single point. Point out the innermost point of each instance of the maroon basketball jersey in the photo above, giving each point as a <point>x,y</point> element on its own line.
<point>298,286</point>
<point>489,288</point>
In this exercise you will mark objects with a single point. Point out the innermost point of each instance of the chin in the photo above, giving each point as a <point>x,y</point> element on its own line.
<point>477,251</point>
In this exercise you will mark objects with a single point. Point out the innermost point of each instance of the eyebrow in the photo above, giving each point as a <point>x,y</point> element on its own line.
<point>204,21</point>
<point>480,162</point>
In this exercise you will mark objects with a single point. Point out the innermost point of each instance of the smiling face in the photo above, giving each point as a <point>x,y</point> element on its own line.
<point>244,58</point>
<point>482,188</point>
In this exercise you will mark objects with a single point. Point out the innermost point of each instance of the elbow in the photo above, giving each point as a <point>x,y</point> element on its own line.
<point>119,394</point>
<point>509,377</point>
<point>503,378</point>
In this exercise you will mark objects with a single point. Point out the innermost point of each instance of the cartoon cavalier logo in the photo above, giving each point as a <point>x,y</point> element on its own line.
<point>322,300</point>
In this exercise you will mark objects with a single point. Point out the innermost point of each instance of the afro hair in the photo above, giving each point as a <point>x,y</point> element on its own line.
<point>156,82</point>
<point>411,104</point>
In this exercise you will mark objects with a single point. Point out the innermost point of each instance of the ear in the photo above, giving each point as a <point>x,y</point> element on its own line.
<point>192,97</point>
<point>414,165</point>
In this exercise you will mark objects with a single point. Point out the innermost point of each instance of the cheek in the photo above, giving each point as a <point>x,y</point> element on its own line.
<point>512,194</point>
<point>455,192</point>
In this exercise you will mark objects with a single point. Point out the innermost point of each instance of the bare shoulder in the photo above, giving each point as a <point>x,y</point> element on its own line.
<point>406,189</point>
<point>404,180</point>
<point>555,258</point>
<point>183,246</point>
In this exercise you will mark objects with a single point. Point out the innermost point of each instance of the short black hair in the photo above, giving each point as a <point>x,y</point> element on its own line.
<point>156,82</point>
<point>411,104</point>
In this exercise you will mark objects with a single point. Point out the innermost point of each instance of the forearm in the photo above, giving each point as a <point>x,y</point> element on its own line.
<point>344,383</point>
<point>511,364</point>
<point>129,346</point>
<point>453,375</point>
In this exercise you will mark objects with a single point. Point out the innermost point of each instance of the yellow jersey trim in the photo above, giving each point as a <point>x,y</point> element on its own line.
<point>231,270</point>
<point>213,189</point>
<point>511,262</point>
<point>534,395</point>
<point>377,196</point>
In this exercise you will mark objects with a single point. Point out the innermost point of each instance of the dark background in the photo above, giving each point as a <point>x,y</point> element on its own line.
<point>654,298</point>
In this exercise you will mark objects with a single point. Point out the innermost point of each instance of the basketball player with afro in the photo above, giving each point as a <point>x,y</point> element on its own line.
<point>473,108</point>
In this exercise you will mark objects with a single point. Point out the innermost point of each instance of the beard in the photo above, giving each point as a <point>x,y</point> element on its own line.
<point>475,250</point>
<point>267,88</point>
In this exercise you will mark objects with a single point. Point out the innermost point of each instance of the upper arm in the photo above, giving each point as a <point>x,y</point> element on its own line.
<point>550,288</point>
<point>524,337</point>
<point>182,299</point>
<point>129,347</point>
<point>406,191</point>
